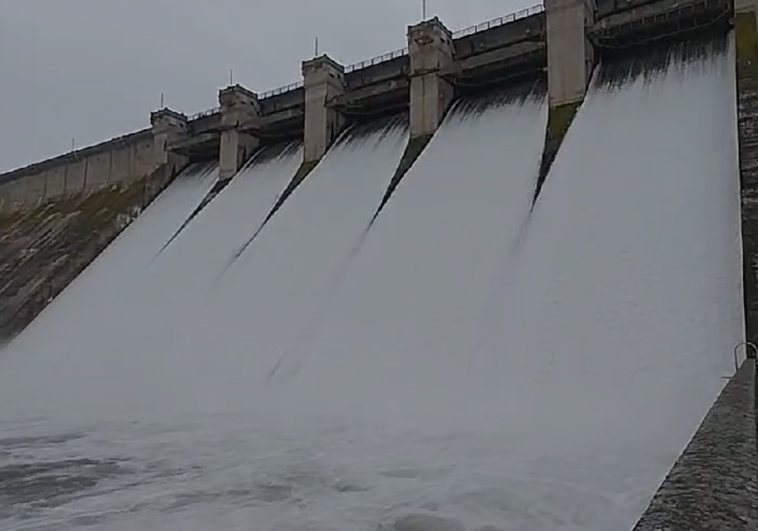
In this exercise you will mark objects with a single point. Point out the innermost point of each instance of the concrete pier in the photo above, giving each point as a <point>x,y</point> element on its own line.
<point>239,107</point>
<point>167,126</point>
<point>422,79</point>
<point>430,47</point>
<point>324,80</point>
<point>569,52</point>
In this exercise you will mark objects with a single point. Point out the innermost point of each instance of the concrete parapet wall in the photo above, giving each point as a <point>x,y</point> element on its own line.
<point>123,159</point>
<point>714,484</point>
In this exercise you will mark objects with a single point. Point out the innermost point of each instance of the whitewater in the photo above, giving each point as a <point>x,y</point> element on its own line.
<point>470,362</point>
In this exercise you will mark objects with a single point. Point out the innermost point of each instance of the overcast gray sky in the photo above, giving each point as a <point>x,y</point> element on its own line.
<point>94,69</point>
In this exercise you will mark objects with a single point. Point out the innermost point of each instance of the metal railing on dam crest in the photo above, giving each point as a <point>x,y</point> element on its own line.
<point>389,56</point>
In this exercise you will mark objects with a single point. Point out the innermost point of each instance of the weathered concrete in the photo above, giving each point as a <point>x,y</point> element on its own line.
<point>714,483</point>
<point>569,54</point>
<point>123,159</point>
<point>430,47</point>
<point>238,106</point>
<point>44,248</point>
<point>746,39</point>
<point>324,79</point>
<point>168,126</point>
<point>639,23</point>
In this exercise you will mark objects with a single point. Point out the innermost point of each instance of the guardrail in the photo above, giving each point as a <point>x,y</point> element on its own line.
<point>499,21</point>
<point>281,90</point>
<point>203,114</point>
<point>495,22</point>
<point>377,60</point>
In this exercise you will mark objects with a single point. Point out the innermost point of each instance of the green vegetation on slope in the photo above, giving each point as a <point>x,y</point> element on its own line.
<point>42,250</point>
<point>745,40</point>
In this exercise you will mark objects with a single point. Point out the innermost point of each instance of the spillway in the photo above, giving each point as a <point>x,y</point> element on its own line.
<point>81,319</point>
<point>465,361</point>
<point>274,288</point>
<point>182,275</point>
<point>618,324</point>
<point>415,296</point>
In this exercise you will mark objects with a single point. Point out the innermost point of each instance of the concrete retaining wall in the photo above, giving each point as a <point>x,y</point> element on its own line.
<point>121,160</point>
<point>714,484</point>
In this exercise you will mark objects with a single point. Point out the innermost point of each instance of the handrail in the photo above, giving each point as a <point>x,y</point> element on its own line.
<point>203,114</point>
<point>281,90</point>
<point>377,60</point>
<point>748,346</point>
<point>499,21</point>
<point>495,22</point>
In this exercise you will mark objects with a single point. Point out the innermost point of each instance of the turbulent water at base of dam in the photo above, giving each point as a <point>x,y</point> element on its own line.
<point>469,361</point>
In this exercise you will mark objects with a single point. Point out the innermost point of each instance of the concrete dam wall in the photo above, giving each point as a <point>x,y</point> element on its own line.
<point>411,106</point>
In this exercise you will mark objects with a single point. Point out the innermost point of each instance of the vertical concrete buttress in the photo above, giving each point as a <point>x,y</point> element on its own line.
<point>168,126</point>
<point>239,108</point>
<point>323,79</point>
<point>569,52</point>
<point>430,47</point>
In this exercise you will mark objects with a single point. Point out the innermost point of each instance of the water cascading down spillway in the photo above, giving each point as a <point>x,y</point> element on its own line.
<point>618,323</point>
<point>468,361</point>
<point>88,314</point>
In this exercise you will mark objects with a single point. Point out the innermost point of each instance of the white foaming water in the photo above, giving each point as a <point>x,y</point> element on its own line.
<point>274,288</point>
<point>183,275</point>
<point>414,299</point>
<point>77,322</point>
<point>621,316</point>
<point>412,397</point>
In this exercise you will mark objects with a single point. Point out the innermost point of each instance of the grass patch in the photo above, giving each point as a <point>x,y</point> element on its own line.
<point>558,123</point>
<point>745,38</point>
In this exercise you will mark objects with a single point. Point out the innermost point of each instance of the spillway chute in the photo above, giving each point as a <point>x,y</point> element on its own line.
<point>409,306</point>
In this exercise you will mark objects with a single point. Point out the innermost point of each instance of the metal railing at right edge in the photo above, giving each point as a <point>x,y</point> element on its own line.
<point>495,22</point>
<point>751,351</point>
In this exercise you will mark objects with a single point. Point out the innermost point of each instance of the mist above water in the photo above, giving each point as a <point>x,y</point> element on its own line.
<point>468,361</point>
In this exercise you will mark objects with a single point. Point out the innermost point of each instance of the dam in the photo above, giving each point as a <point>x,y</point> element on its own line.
<point>501,278</point>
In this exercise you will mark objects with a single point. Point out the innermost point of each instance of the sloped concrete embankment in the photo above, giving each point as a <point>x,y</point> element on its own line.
<point>43,249</point>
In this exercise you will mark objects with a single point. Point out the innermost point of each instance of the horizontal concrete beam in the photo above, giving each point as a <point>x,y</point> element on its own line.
<point>195,143</point>
<point>494,57</point>
<point>372,92</point>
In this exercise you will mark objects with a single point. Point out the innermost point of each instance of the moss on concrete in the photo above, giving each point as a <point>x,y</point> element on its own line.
<point>45,248</point>
<point>558,123</point>
<point>745,40</point>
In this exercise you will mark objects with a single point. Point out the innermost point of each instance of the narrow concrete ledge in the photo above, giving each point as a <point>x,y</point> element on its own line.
<point>714,483</point>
